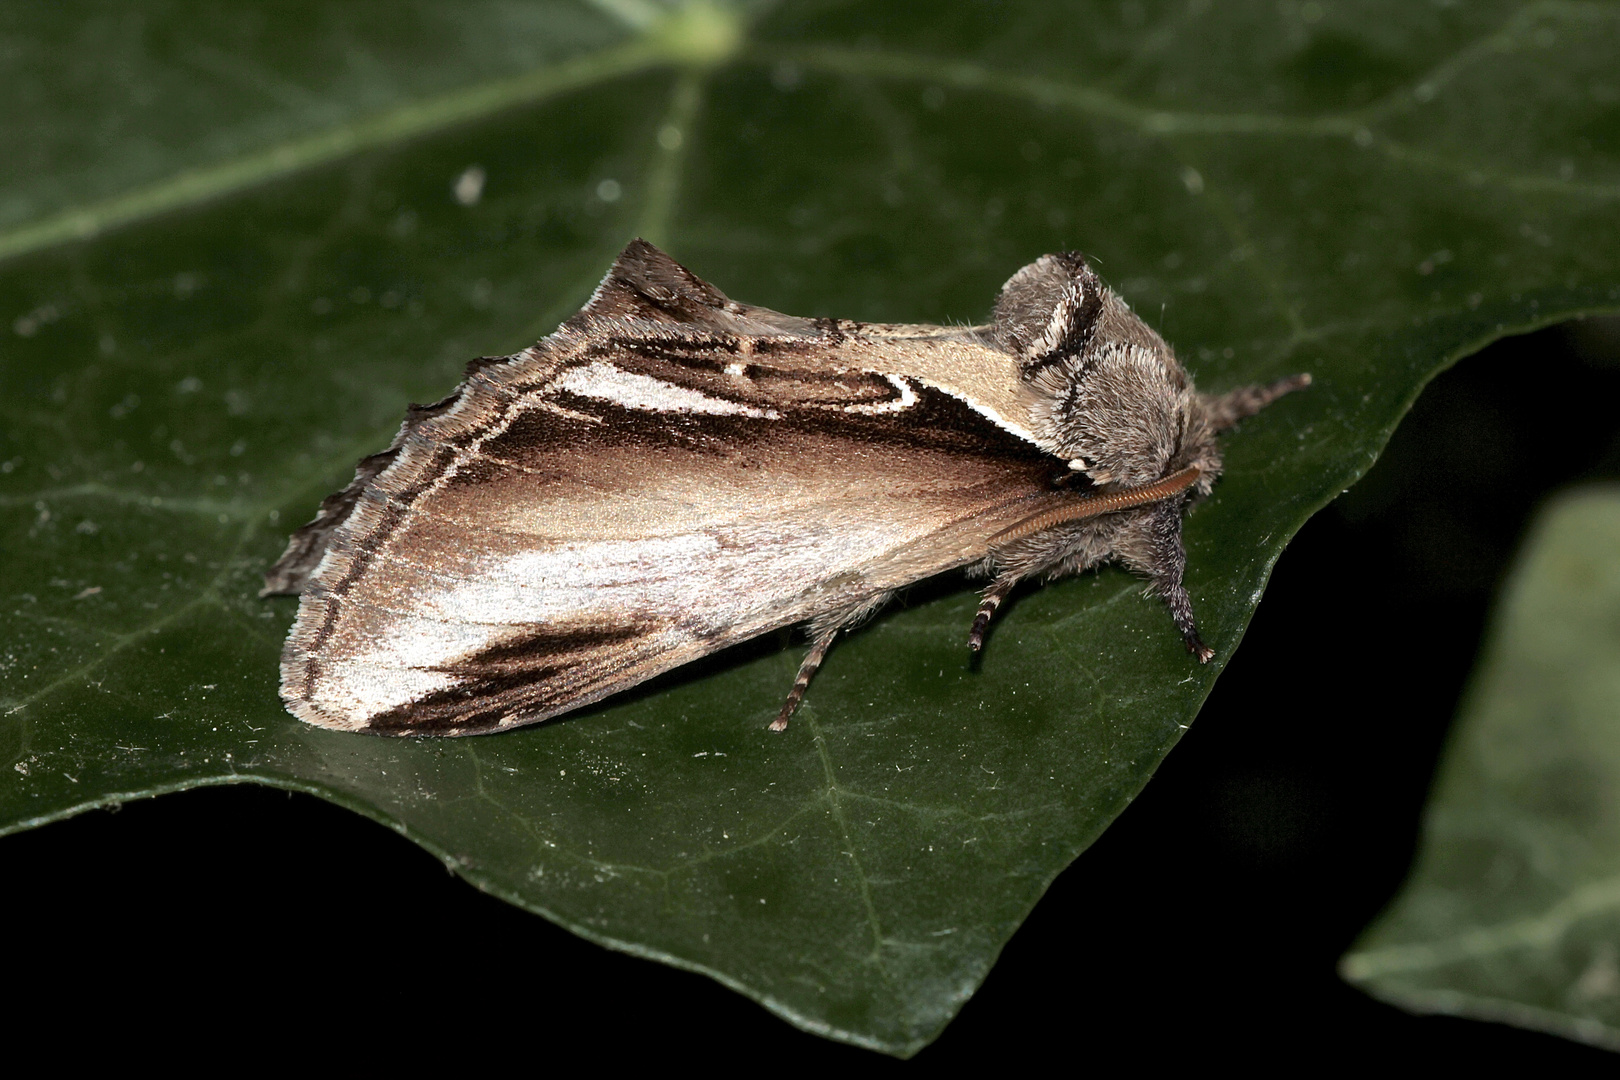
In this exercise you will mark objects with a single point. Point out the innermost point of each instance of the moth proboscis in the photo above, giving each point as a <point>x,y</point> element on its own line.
<point>672,472</point>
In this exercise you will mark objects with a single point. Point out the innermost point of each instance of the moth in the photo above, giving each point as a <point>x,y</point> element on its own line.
<point>672,472</point>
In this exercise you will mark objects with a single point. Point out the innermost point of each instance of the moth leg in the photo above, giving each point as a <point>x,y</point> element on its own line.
<point>807,671</point>
<point>1180,604</point>
<point>1242,403</point>
<point>993,596</point>
<point>1164,566</point>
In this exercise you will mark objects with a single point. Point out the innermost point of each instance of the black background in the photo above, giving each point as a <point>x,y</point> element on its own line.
<point>1204,927</point>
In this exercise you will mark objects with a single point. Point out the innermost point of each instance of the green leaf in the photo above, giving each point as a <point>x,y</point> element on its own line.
<point>235,251</point>
<point>1513,910</point>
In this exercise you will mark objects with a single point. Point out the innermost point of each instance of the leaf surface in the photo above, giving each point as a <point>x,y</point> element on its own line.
<point>225,279</point>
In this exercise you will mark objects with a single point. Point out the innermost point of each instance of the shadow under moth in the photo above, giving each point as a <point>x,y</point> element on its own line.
<point>672,472</point>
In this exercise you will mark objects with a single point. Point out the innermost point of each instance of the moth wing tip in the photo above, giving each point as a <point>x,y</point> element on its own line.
<point>318,717</point>
<point>779,724</point>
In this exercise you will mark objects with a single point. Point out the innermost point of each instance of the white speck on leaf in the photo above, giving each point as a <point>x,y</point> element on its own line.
<point>469,186</point>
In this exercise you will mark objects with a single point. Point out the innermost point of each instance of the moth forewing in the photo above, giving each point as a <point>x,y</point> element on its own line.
<point>672,472</point>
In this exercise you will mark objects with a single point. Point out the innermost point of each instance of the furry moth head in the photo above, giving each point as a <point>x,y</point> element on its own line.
<point>672,472</point>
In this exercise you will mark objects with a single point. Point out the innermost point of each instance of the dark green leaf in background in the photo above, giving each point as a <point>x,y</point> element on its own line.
<point>1513,911</point>
<point>240,238</point>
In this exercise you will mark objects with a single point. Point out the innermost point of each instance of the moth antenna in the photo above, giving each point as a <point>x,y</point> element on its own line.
<point>1093,505</point>
<point>807,671</point>
<point>1245,401</point>
<point>993,596</point>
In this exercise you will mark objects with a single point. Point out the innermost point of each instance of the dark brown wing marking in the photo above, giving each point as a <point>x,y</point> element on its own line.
<point>524,675</point>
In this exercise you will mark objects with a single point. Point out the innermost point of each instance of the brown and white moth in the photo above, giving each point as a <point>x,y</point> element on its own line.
<point>672,472</point>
